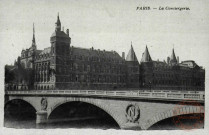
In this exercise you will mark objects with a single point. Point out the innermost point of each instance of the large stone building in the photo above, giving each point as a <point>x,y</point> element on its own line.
<point>62,66</point>
<point>186,75</point>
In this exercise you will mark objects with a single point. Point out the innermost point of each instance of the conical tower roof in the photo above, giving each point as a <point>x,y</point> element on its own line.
<point>173,56</point>
<point>146,56</point>
<point>131,55</point>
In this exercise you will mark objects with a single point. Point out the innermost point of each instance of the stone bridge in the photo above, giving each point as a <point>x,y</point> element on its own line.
<point>130,109</point>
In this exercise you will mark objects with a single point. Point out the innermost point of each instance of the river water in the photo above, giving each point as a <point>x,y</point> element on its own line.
<point>95,123</point>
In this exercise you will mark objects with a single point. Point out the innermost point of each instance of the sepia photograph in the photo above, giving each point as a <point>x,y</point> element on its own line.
<point>137,65</point>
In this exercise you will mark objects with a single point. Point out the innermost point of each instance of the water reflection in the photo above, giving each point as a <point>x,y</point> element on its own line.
<point>96,123</point>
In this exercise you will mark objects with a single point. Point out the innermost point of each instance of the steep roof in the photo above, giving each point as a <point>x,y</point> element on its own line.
<point>59,34</point>
<point>95,53</point>
<point>45,51</point>
<point>131,55</point>
<point>146,56</point>
<point>86,52</point>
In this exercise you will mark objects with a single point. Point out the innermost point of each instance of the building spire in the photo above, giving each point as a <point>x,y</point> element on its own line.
<point>58,23</point>
<point>173,57</point>
<point>131,55</point>
<point>33,40</point>
<point>58,19</point>
<point>146,56</point>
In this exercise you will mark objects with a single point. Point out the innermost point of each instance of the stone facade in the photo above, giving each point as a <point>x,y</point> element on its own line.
<point>186,75</point>
<point>62,66</point>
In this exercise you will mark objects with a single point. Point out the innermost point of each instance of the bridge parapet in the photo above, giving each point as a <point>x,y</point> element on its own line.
<point>135,94</point>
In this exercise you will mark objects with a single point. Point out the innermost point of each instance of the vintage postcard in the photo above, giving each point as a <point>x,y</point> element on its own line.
<point>101,66</point>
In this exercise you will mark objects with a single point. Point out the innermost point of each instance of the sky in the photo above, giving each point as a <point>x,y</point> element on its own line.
<point>108,25</point>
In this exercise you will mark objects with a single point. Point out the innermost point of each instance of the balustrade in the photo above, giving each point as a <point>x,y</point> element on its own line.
<point>124,94</point>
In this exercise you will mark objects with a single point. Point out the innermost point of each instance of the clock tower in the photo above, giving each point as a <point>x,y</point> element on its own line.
<point>60,46</point>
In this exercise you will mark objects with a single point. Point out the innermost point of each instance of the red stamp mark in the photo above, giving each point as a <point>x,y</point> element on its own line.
<point>188,114</point>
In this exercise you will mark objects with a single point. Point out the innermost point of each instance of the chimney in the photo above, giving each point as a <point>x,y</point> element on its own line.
<point>67,32</point>
<point>168,60</point>
<point>123,55</point>
<point>178,59</point>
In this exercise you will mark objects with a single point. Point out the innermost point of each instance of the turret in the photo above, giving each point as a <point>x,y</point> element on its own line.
<point>132,69</point>
<point>146,70</point>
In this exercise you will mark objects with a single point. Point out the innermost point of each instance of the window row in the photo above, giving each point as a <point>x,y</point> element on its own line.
<point>88,68</point>
<point>92,79</point>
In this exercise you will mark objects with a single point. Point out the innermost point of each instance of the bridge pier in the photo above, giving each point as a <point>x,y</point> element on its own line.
<point>41,117</point>
<point>131,126</point>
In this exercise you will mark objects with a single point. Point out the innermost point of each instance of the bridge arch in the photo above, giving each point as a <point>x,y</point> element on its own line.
<point>27,100</point>
<point>16,111</point>
<point>23,100</point>
<point>172,113</point>
<point>101,106</point>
